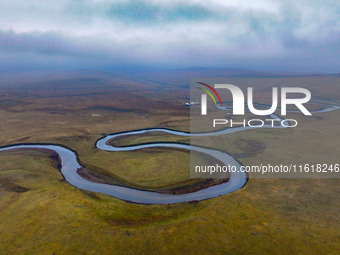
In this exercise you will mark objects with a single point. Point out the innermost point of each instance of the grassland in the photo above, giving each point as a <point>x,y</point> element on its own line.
<point>40,213</point>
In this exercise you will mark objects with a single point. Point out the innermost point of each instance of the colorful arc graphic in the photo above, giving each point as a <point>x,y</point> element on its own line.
<point>213,90</point>
<point>206,91</point>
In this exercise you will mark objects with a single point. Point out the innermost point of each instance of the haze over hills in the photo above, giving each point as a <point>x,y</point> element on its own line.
<point>131,78</point>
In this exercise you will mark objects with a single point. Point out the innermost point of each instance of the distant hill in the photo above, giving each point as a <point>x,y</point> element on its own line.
<point>130,79</point>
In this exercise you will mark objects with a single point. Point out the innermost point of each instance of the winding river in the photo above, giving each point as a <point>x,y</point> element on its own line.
<point>70,164</point>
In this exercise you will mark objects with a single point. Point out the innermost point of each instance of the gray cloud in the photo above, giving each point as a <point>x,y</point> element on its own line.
<point>136,12</point>
<point>293,35</point>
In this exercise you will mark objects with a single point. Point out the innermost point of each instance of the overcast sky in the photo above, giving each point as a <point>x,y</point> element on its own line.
<point>300,35</point>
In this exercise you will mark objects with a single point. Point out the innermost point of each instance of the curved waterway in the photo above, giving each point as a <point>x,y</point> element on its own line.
<point>70,165</point>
